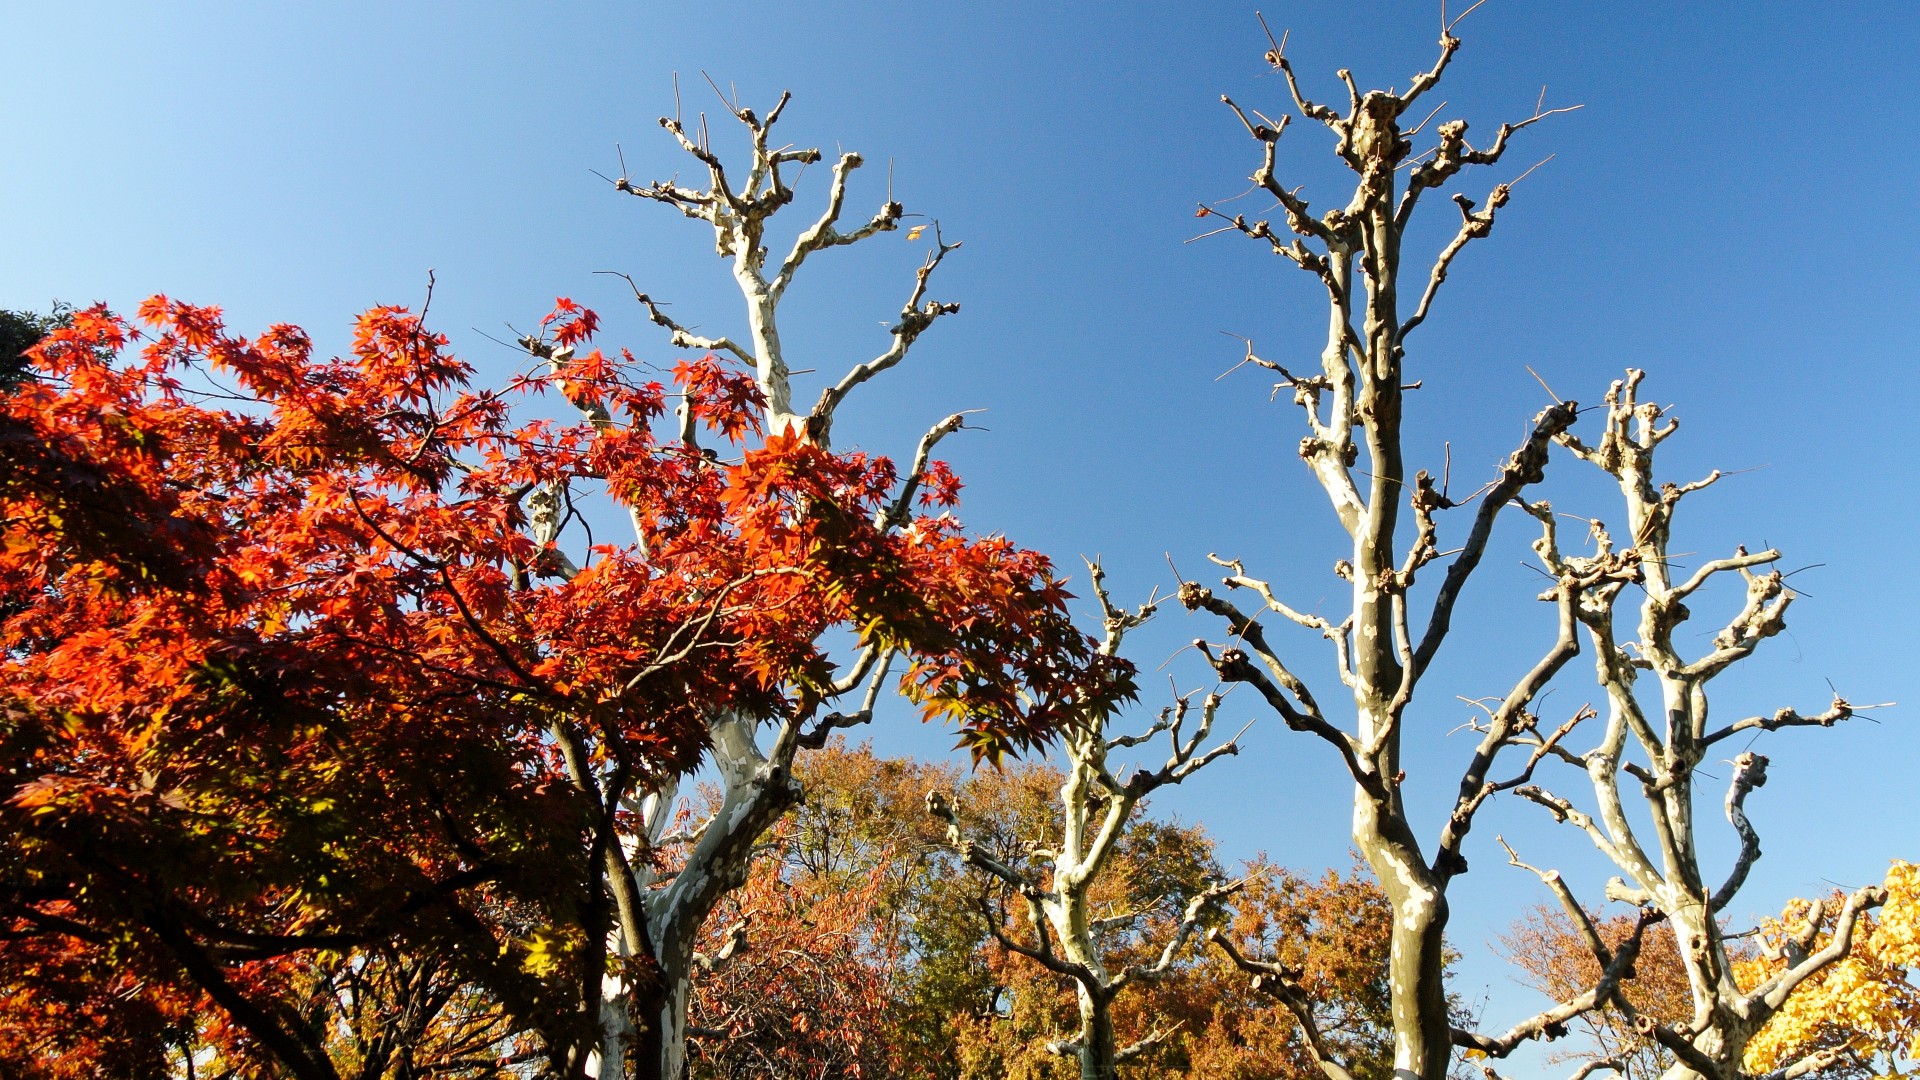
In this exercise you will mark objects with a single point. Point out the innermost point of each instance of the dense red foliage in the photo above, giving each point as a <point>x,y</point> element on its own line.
<point>282,650</point>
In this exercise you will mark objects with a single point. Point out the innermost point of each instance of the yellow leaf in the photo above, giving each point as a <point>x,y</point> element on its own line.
<point>914,233</point>
<point>546,951</point>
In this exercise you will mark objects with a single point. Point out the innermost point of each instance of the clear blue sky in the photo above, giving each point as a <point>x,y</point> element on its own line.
<point>1734,210</point>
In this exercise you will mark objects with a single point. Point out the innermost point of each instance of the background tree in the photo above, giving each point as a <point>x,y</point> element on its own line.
<point>1862,1011</point>
<point>809,997</point>
<point>958,1005</point>
<point>1065,932</point>
<point>1858,1017</point>
<point>1554,958</point>
<point>1331,939</point>
<point>20,331</point>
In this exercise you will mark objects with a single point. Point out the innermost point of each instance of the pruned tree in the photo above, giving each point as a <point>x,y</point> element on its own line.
<point>1662,867</point>
<point>1330,935</point>
<point>808,999</point>
<point>1863,1011</point>
<point>1388,640</point>
<point>659,918</point>
<point>863,947</point>
<point>1069,937</point>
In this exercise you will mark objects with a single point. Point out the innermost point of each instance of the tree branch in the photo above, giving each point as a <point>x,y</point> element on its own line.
<point>823,235</point>
<point>1749,772</point>
<point>679,336</point>
<point>915,317</point>
<point>1282,984</point>
<point>1527,465</point>
<point>896,514</point>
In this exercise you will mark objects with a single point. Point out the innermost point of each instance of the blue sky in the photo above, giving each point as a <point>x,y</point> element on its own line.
<point>1732,210</point>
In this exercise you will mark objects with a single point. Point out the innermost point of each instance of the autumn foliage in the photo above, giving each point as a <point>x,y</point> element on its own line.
<point>1553,958</point>
<point>286,638</point>
<point>1864,1008</point>
<point>865,949</point>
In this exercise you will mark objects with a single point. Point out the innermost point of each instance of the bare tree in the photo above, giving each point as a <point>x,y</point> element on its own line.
<point>1069,936</point>
<point>643,1017</point>
<point>1665,876</point>
<point>1388,640</point>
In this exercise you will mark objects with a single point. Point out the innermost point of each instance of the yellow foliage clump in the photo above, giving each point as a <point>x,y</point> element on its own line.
<point>1866,1003</point>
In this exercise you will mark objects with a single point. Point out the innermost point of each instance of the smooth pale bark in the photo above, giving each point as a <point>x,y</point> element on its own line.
<point>1096,807</point>
<point>1660,862</point>
<point>1353,408</point>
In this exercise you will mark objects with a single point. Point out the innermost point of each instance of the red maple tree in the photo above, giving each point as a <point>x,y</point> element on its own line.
<point>296,674</point>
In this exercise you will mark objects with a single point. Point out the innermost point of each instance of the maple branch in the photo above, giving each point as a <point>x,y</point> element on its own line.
<point>307,1060</point>
<point>670,652</point>
<point>49,923</point>
<point>467,616</point>
<point>628,902</point>
<point>428,665</point>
